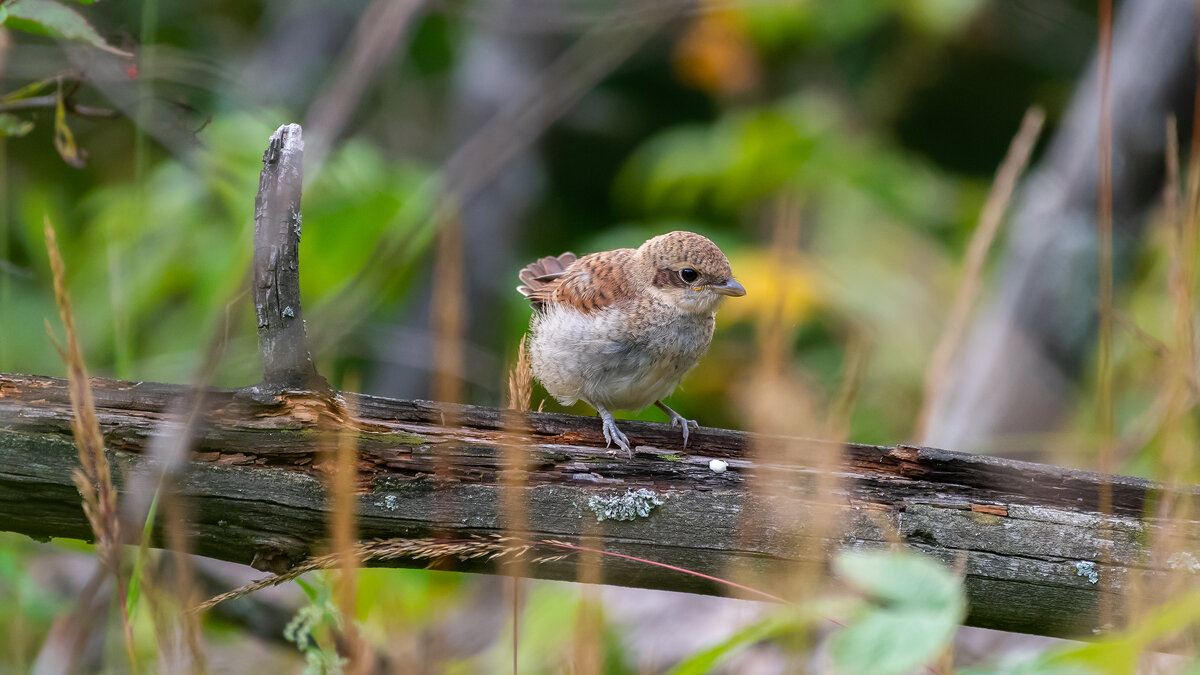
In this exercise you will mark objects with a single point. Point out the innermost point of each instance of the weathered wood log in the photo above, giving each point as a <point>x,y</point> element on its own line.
<point>282,339</point>
<point>1035,552</point>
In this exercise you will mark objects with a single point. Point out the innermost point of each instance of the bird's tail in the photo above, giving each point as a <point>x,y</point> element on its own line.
<point>540,274</point>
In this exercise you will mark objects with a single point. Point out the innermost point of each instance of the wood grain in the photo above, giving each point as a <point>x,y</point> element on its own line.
<point>1026,536</point>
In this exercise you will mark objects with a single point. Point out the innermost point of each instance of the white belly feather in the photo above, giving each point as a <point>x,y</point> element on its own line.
<point>599,358</point>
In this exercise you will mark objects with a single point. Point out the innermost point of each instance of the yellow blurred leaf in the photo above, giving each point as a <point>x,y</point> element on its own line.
<point>715,55</point>
<point>64,140</point>
<point>792,288</point>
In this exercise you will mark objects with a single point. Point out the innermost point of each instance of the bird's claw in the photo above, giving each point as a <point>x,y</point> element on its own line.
<point>612,433</point>
<point>678,420</point>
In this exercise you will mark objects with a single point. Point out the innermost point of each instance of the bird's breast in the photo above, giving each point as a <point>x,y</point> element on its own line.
<point>619,359</point>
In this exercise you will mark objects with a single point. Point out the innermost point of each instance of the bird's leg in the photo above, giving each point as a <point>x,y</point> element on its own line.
<point>678,420</point>
<point>611,432</point>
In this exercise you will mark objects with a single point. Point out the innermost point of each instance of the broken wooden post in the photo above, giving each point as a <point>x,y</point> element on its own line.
<point>282,340</point>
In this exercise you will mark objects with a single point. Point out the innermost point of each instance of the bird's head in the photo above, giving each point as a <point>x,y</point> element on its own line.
<point>690,271</point>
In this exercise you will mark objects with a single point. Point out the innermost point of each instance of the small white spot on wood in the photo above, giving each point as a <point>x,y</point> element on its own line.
<point>1087,569</point>
<point>288,312</point>
<point>391,503</point>
<point>629,506</point>
<point>718,465</point>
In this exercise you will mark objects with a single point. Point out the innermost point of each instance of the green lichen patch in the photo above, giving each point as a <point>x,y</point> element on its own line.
<point>629,506</point>
<point>1087,570</point>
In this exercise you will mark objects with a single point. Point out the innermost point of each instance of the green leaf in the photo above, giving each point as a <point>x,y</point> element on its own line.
<point>30,90</point>
<point>919,606</point>
<point>902,579</point>
<point>308,589</point>
<point>772,626</point>
<point>139,563</point>
<point>47,17</point>
<point>890,641</point>
<point>11,125</point>
<point>64,138</point>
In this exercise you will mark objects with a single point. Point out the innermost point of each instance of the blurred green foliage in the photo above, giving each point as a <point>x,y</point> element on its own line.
<point>47,17</point>
<point>155,269</point>
<point>919,606</point>
<point>880,122</point>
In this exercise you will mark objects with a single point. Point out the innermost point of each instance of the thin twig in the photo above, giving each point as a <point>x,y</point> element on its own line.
<point>489,548</point>
<point>1104,235</point>
<point>50,101</point>
<point>376,35</point>
<point>990,219</point>
<point>682,570</point>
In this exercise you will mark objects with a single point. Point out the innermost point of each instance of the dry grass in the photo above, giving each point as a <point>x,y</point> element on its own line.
<point>379,29</point>
<point>858,356</point>
<point>94,477</point>
<point>520,381</point>
<point>515,477</point>
<point>487,548</point>
<point>342,481</point>
<point>448,312</point>
<point>447,326</point>
<point>447,320</point>
<point>994,208</point>
<point>1104,235</point>
<point>496,548</point>
<point>1178,396</point>
<point>777,402</point>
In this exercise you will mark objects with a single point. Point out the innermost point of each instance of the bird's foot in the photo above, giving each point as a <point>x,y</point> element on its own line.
<point>678,420</point>
<point>612,433</point>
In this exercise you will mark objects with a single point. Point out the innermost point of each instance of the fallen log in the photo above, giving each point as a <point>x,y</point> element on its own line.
<point>1036,553</point>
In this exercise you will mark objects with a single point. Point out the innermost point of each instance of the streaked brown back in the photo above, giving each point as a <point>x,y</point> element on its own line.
<point>586,284</point>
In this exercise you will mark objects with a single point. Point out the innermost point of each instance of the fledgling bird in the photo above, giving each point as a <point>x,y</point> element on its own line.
<point>619,329</point>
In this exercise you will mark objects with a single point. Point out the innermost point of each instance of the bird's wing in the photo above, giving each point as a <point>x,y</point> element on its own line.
<point>538,277</point>
<point>587,284</point>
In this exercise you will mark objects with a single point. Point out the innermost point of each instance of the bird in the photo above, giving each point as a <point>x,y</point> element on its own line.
<point>620,329</point>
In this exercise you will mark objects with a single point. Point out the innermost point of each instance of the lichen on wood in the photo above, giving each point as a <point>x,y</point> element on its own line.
<point>632,505</point>
<point>255,494</point>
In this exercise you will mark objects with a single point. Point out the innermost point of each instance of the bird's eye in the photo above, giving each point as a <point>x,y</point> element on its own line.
<point>688,274</point>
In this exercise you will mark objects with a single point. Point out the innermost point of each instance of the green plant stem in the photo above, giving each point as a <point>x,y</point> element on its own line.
<point>139,563</point>
<point>4,288</point>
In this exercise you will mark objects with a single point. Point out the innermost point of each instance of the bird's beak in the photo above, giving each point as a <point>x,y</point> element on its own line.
<point>730,287</point>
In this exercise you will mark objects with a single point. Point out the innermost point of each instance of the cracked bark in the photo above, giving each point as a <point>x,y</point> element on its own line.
<point>281,335</point>
<point>254,486</point>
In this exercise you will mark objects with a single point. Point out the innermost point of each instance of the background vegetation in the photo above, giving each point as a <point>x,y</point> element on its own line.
<point>839,152</point>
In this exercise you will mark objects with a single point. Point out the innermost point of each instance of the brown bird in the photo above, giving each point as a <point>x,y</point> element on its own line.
<point>619,329</point>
